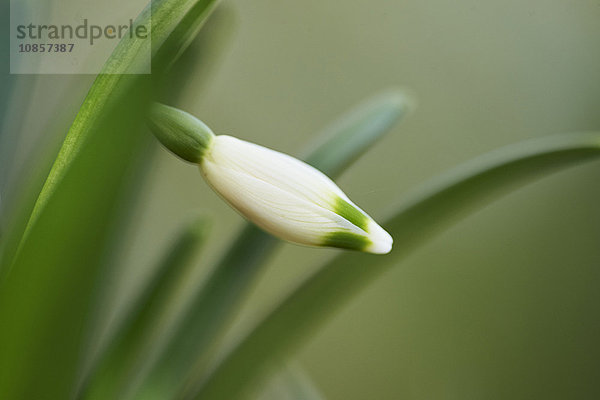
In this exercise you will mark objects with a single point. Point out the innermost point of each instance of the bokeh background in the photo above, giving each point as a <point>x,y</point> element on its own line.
<point>506,303</point>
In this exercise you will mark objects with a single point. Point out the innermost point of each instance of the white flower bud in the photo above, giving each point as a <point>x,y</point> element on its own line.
<point>288,198</point>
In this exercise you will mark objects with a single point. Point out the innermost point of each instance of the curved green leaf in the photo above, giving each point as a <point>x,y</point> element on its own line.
<point>174,25</point>
<point>46,296</point>
<point>199,57</point>
<point>346,139</point>
<point>431,208</point>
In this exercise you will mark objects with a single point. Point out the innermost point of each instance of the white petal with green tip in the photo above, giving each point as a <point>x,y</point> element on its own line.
<point>289,198</point>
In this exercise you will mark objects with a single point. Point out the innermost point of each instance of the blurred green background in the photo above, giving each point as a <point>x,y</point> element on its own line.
<point>503,305</point>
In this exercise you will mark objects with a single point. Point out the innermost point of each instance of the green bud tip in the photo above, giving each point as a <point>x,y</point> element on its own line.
<point>180,132</point>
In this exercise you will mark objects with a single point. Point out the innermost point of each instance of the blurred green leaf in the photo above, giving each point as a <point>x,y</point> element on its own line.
<point>437,203</point>
<point>204,55</point>
<point>46,297</point>
<point>216,303</point>
<point>111,306</point>
<point>290,382</point>
<point>340,144</point>
<point>151,315</point>
<point>175,23</point>
<point>15,93</point>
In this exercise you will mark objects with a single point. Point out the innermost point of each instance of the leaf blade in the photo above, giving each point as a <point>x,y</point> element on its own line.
<point>46,295</point>
<point>170,35</point>
<point>346,139</point>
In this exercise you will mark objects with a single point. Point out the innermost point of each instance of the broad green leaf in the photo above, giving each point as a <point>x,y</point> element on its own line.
<point>214,307</point>
<point>45,299</point>
<point>430,209</point>
<point>151,315</point>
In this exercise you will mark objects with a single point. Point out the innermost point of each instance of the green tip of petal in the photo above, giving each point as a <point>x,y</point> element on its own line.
<point>375,240</point>
<point>347,240</point>
<point>351,213</point>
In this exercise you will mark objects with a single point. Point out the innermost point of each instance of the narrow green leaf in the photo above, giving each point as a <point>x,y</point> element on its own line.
<point>199,57</point>
<point>151,315</point>
<point>432,207</point>
<point>205,54</point>
<point>340,144</point>
<point>215,305</point>
<point>174,25</point>
<point>204,318</point>
<point>46,297</point>
<point>16,92</point>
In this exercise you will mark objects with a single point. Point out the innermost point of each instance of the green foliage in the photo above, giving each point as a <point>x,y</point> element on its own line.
<point>148,320</point>
<point>46,295</point>
<point>290,383</point>
<point>52,263</point>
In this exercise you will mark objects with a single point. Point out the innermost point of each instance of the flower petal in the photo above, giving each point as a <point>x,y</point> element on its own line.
<point>289,198</point>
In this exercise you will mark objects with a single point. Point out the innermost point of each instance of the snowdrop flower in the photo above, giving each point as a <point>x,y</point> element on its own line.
<point>281,194</point>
